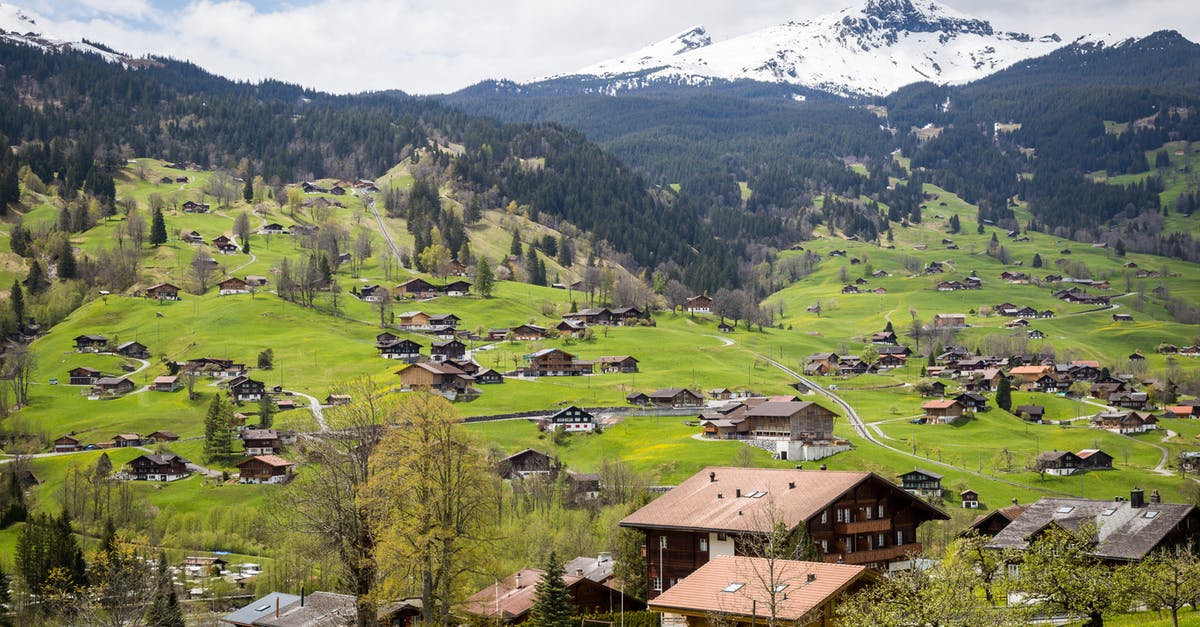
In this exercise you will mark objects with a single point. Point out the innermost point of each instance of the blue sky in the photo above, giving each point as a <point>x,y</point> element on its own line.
<point>428,46</point>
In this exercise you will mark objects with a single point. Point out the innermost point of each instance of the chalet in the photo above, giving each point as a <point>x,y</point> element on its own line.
<point>160,467</point>
<point>890,361</point>
<point>950,286</point>
<point>456,288</point>
<point>264,469</point>
<point>126,440</point>
<point>443,332</point>
<point>566,327</point>
<point>720,394</point>
<point>221,240</point>
<point>165,383</point>
<point>923,483</point>
<point>554,362</point>
<point>191,237</point>
<point>675,397</point>
<point>527,463</point>
<point>724,327</point>
<point>488,377</point>
<point>273,228</point>
<point>935,267</point>
<point>856,518</point>
<point>1129,400</point>
<point>902,351</point>
<point>260,441</point>
<point>850,289</point>
<point>444,320</point>
<point>412,320</point>
<point>1126,530</point>
<point>699,305</point>
<point>337,190</point>
<point>1122,318</point>
<point>985,380</point>
<point>591,317</point>
<point>884,337</point>
<point>192,206</point>
<point>244,389</point>
<point>447,349</point>
<point>112,386</point>
<point>942,411</point>
<point>1034,334</point>
<point>456,268</point>
<point>67,444</point>
<point>163,291</point>
<point>136,350</point>
<point>1057,462</point>
<point>937,388</point>
<point>528,333</point>
<point>405,350</point>
<point>582,487</point>
<point>729,586</point>
<point>991,523</point>
<point>160,437</point>
<point>1094,459</point>
<point>435,377</point>
<point>969,498</point>
<point>510,600</point>
<point>232,285</point>
<point>1030,413</point>
<point>949,321</point>
<point>1125,422</point>
<point>90,343</point>
<point>309,187</point>
<point>616,364</point>
<point>415,288</point>
<point>570,419</point>
<point>638,398</point>
<point>627,316</point>
<point>83,376</point>
<point>972,401</point>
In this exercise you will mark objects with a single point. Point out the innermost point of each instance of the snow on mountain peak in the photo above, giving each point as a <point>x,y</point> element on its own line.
<point>873,48</point>
<point>20,25</point>
<point>16,20</point>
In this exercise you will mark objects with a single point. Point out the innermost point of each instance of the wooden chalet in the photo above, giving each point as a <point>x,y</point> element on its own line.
<point>725,327</point>
<point>415,288</point>
<point>1119,317</point>
<point>443,350</point>
<point>106,387</point>
<point>1059,463</point>
<point>510,600</point>
<point>160,437</point>
<point>616,364</point>
<point>570,419</point>
<point>991,523</point>
<point>1125,422</point>
<point>699,304</point>
<point>412,320</point>
<point>233,285</point>
<point>246,390</point>
<point>1030,413</point>
<point>456,288</point>
<point>135,350</point>
<point>165,383</point>
<point>159,467</point>
<point>949,321</point>
<point>675,397</point>
<point>67,444</point>
<point>260,441</point>
<point>126,440</point>
<point>942,411</point>
<point>884,337</point>
<point>790,420</point>
<point>640,399</point>
<point>920,482</point>
<point>444,320</point>
<point>566,327</point>
<point>856,518</point>
<point>488,377</point>
<point>435,377</point>
<point>1094,459</point>
<point>264,469</point>
<point>391,347</point>
<point>192,206</point>
<point>90,343</point>
<point>627,316</point>
<point>529,333</point>
<point>969,499</point>
<point>527,462</point>
<point>554,362</point>
<point>163,291</point>
<point>589,317</point>
<point>336,400</point>
<point>83,375</point>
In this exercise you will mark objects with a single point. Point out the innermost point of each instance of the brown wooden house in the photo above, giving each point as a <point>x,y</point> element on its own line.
<point>510,600</point>
<point>83,375</point>
<point>160,467</point>
<point>163,291</point>
<point>555,362</point>
<point>264,469</point>
<point>616,364</point>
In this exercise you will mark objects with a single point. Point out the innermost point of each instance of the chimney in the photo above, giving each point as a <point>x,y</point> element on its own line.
<point>812,577</point>
<point>518,579</point>
<point>578,572</point>
<point>301,596</point>
<point>1137,498</point>
<point>712,476</point>
<point>1015,501</point>
<point>824,467</point>
<point>720,496</point>
<point>738,493</point>
<point>277,606</point>
<point>1154,496</point>
<point>791,485</point>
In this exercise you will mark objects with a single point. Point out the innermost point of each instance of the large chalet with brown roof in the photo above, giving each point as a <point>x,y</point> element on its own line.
<point>699,305</point>
<point>159,467</point>
<point>264,469</point>
<point>554,362</point>
<point>732,587</point>
<point>510,600</point>
<point>83,375</point>
<point>796,430</point>
<point>624,364</point>
<point>853,518</point>
<point>674,397</point>
<point>942,411</point>
<point>163,291</point>
<point>439,377</point>
<point>90,343</point>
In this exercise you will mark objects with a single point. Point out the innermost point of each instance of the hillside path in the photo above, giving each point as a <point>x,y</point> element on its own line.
<point>724,340</point>
<point>861,429</point>
<point>315,406</point>
<point>369,201</point>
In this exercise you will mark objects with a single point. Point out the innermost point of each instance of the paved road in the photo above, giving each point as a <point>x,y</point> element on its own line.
<point>369,201</point>
<point>315,406</point>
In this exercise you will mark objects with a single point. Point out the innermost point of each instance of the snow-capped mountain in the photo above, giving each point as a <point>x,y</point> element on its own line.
<point>21,25</point>
<point>872,49</point>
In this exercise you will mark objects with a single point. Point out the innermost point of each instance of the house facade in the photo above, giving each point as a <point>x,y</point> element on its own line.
<point>264,469</point>
<point>571,419</point>
<point>163,467</point>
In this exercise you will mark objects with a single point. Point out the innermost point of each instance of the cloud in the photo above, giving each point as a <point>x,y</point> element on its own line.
<point>426,46</point>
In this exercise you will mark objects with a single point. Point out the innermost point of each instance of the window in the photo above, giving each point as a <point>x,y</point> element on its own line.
<point>824,545</point>
<point>662,542</point>
<point>656,583</point>
<point>721,537</point>
<point>704,544</point>
<point>868,509</point>
<point>882,540</point>
<point>824,516</point>
<point>839,515</point>
<point>879,512</point>
<point>899,537</point>
<point>780,588</point>
<point>1150,514</point>
<point>733,587</point>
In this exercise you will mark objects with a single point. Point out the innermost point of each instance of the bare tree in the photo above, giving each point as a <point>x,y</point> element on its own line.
<point>241,227</point>
<point>383,304</point>
<point>203,269</point>
<point>17,371</point>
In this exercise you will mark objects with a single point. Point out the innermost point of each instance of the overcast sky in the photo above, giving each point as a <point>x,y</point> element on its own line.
<point>438,46</point>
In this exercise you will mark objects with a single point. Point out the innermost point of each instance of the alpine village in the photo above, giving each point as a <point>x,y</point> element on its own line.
<point>822,342</point>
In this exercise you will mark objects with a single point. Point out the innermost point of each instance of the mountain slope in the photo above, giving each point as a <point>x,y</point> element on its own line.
<point>872,49</point>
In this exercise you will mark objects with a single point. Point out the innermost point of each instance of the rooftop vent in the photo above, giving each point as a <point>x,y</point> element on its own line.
<point>712,476</point>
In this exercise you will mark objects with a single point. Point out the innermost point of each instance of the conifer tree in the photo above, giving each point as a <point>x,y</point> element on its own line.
<point>66,262</point>
<point>515,247</point>
<point>158,228</point>
<point>484,279</point>
<point>164,611</point>
<point>266,412</point>
<point>16,301</point>
<point>551,600</point>
<point>1004,394</point>
<point>218,436</point>
<point>36,279</point>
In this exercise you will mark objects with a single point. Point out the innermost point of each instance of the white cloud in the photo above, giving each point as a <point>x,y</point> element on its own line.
<point>423,46</point>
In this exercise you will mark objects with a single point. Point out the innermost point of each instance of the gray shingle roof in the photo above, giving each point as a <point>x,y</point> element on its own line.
<point>1125,532</point>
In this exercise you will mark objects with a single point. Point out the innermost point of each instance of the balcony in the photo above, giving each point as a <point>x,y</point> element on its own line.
<point>885,554</point>
<point>863,526</point>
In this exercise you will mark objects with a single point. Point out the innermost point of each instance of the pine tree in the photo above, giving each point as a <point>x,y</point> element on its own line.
<point>266,412</point>
<point>1004,394</point>
<point>955,226</point>
<point>248,188</point>
<point>66,262</point>
<point>1037,260</point>
<point>16,301</point>
<point>218,435</point>
<point>515,247</point>
<point>164,610</point>
<point>551,600</point>
<point>158,229</point>
<point>36,281</point>
<point>566,258</point>
<point>484,279</point>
